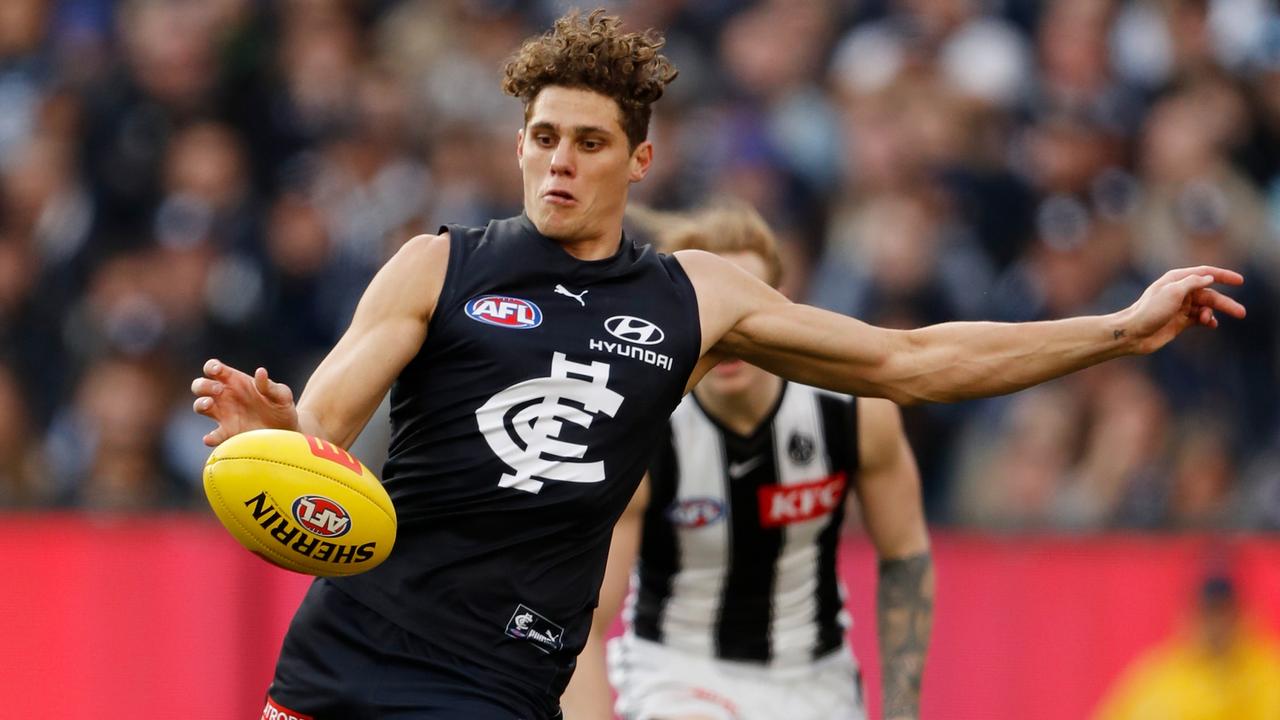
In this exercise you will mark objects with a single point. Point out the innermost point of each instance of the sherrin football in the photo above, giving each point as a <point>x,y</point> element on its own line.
<point>300,502</point>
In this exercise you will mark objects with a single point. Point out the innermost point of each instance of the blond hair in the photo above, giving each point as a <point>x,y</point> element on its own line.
<point>727,226</point>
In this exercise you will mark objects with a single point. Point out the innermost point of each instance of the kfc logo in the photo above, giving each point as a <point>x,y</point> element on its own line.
<point>785,504</point>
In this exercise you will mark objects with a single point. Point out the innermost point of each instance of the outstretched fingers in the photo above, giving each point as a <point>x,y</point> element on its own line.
<point>238,402</point>
<point>203,406</point>
<point>1212,300</point>
<point>213,368</point>
<point>278,393</point>
<point>208,390</point>
<point>205,390</point>
<point>1219,275</point>
<point>1207,318</point>
<point>205,387</point>
<point>215,437</point>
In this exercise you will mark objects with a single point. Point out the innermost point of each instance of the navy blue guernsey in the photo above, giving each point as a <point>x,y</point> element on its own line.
<point>519,433</point>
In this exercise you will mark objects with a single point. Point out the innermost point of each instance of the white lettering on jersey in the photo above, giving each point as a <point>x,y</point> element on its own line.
<point>655,359</point>
<point>528,439</point>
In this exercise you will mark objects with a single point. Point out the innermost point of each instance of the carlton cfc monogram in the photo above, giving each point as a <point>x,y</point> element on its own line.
<point>522,424</point>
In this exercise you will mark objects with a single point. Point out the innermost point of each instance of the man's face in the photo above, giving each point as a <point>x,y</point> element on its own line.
<point>576,164</point>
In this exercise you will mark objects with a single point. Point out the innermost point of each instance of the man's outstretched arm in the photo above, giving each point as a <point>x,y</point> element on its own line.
<point>388,328</point>
<point>742,317</point>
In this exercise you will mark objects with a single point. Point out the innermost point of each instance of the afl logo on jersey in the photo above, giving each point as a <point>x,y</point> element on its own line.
<point>321,516</point>
<point>634,329</point>
<point>695,512</point>
<point>504,311</point>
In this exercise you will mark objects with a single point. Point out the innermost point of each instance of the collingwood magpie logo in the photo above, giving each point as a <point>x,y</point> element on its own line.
<point>633,330</point>
<point>522,424</point>
<point>800,447</point>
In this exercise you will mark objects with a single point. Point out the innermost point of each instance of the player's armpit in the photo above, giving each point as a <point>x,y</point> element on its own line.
<point>386,332</point>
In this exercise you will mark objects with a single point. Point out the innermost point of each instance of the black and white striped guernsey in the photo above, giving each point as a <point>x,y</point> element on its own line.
<point>738,559</point>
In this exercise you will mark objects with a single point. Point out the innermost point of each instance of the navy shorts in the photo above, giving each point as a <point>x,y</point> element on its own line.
<point>343,661</point>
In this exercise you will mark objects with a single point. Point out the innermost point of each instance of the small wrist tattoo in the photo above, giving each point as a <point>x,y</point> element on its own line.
<point>1117,334</point>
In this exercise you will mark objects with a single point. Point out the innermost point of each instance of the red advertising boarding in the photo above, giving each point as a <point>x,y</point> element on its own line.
<point>128,616</point>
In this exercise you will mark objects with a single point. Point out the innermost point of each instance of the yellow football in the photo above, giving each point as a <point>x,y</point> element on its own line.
<point>300,502</point>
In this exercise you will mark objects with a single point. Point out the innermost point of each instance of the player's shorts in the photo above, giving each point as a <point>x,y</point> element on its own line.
<point>654,681</point>
<point>343,661</point>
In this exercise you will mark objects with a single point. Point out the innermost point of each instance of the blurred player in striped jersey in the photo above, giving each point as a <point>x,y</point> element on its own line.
<point>737,611</point>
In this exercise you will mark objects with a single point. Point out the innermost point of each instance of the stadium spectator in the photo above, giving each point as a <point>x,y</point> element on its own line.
<point>23,482</point>
<point>1221,667</point>
<point>1084,453</point>
<point>104,451</point>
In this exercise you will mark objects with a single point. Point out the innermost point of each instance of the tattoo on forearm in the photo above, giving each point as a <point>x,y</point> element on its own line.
<point>1117,334</point>
<point>905,615</point>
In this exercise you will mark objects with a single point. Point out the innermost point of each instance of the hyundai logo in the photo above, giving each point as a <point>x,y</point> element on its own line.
<point>634,329</point>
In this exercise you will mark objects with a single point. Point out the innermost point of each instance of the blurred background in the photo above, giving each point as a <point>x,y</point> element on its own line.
<point>182,179</point>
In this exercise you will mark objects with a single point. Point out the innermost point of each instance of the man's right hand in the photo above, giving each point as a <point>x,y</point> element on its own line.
<point>239,402</point>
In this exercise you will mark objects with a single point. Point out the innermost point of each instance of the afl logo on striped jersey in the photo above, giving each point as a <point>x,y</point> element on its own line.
<point>695,512</point>
<point>504,311</point>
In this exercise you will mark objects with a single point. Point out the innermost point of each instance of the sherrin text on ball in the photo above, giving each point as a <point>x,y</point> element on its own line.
<point>300,502</point>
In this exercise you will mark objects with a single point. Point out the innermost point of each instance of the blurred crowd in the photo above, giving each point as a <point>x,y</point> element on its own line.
<point>182,179</point>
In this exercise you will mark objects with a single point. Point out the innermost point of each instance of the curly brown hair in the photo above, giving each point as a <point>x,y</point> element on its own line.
<point>595,54</point>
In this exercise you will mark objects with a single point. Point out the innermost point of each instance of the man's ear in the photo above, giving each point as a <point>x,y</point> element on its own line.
<point>520,148</point>
<point>641,159</point>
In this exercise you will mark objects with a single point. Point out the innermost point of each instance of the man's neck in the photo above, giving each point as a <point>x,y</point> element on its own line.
<point>597,246</point>
<point>741,412</point>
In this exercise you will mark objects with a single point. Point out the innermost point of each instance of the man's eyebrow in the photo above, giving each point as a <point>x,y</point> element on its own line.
<point>577,129</point>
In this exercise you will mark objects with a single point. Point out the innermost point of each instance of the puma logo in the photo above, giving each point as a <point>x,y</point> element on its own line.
<point>562,290</point>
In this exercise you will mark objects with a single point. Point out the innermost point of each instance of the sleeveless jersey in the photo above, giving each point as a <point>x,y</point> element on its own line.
<point>519,434</point>
<point>738,558</point>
